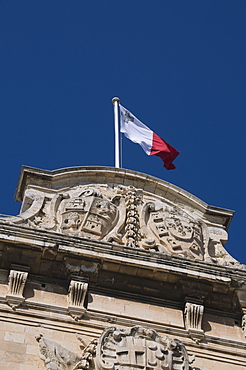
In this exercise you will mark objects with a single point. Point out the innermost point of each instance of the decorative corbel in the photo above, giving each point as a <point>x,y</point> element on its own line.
<point>76,296</point>
<point>241,294</point>
<point>193,314</point>
<point>194,293</point>
<point>16,284</point>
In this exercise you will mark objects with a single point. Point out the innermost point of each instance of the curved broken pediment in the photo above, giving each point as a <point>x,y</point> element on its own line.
<point>123,207</point>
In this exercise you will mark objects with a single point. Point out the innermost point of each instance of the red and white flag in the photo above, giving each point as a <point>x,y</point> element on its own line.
<point>151,143</point>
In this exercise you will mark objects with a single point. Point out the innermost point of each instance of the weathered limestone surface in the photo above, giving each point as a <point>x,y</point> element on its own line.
<point>109,267</point>
<point>122,207</point>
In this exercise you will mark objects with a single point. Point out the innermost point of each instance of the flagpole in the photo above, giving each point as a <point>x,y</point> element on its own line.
<point>116,102</point>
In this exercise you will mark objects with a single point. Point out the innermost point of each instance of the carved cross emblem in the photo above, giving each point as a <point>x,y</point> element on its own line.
<point>127,116</point>
<point>132,352</point>
<point>137,348</point>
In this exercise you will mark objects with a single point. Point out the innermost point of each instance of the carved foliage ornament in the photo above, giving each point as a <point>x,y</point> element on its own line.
<point>124,215</point>
<point>119,349</point>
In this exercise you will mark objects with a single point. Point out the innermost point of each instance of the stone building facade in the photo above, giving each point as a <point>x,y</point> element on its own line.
<point>111,269</point>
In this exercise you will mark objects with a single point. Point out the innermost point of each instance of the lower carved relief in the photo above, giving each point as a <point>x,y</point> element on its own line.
<point>119,349</point>
<point>55,356</point>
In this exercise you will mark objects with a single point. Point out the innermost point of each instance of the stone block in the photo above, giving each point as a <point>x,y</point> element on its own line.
<point>15,348</point>
<point>14,337</point>
<point>17,358</point>
<point>11,366</point>
<point>37,365</point>
<point>32,349</point>
<point>15,327</point>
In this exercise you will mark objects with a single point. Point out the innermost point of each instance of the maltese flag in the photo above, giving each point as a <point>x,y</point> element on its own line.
<point>151,143</point>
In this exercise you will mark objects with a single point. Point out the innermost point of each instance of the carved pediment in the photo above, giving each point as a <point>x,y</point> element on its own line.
<point>129,216</point>
<point>122,214</point>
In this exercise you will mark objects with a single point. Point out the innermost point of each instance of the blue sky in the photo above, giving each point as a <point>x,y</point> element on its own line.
<point>179,66</point>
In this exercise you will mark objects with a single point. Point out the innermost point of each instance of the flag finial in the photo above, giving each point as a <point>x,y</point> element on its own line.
<point>114,100</point>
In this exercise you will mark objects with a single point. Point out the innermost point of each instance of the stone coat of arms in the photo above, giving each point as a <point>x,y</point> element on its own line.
<point>124,215</point>
<point>87,214</point>
<point>119,349</point>
<point>139,348</point>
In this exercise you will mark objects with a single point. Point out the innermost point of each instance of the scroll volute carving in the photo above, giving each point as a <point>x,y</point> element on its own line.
<point>16,284</point>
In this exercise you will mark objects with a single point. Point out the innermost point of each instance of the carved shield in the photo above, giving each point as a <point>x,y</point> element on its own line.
<point>179,227</point>
<point>87,215</point>
<point>119,349</point>
<point>177,232</point>
<point>139,348</point>
<point>140,353</point>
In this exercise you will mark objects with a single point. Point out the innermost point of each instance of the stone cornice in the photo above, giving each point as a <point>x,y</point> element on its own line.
<point>109,252</point>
